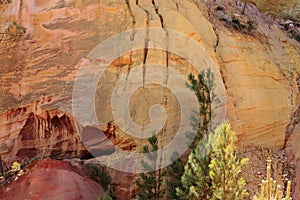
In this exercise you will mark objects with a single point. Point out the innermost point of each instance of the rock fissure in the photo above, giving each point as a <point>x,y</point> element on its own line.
<point>132,17</point>
<point>158,14</point>
<point>291,127</point>
<point>218,39</point>
<point>132,35</point>
<point>146,43</point>
<point>167,39</point>
<point>20,11</point>
<point>167,71</point>
<point>129,67</point>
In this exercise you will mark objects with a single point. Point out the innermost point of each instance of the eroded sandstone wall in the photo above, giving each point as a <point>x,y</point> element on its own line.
<point>260,72</point>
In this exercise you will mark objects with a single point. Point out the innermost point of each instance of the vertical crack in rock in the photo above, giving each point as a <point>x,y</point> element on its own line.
<point>158,14</point>
<point>167,75</point>
<point>215,49</point>
<point>295,116</point>
<point>218,39</point>
<point>132,36</point>
<point>164,130</point>
<point>290,130</point>
<point>20,12</point>
<point>146,44</point>
<point>223,79</point>
<point>133,19</point>
<point>145,56</point>
<point>129,67</point>
<point>291,126</point>
<point>167,38</point>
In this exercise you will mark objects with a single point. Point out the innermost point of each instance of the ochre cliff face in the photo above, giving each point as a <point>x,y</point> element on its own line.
<point>260,73</point>
<point>265,78</point>
<point>44,64</point>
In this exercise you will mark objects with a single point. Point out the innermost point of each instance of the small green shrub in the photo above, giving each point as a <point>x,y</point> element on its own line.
<point>225,167</point>
<point>219,8</point>
<point>236,21</point>
<point>100,175</point>
<point>15,166</point>
<point>174,172</point>
<point>214,175</point>
<point>150,183</point>
<point>237,24</point>
<point>3,2</point>
<point>106,196</point>
<point>270,190</point>
<point>14,32</point>
<point>297,37</point>
<point>195,181</point>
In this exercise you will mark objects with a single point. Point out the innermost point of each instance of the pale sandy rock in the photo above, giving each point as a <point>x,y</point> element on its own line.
<point>293,156</point>
<point>248,67</point>
<point>193,15</point>
<point>292,148</point>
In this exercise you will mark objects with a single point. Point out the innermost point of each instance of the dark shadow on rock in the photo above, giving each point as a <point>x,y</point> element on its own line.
<point>96,141</point>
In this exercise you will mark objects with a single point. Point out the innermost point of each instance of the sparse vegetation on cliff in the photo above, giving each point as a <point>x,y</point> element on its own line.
<point>221,178</point>
<point>13,30</point>
<point>225,167</point>
<point>151,183</point>
<point>253,71</point>
<point>270,190</point>
<point>195,180</point>
<point>100,175</point>
<point>174,173</point>
<point>237,24</point>
<point>203,85</point>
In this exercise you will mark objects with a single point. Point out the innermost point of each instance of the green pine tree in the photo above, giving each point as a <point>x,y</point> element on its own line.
<point>195,180</point>
<point>191,186</point>
<point>174,172</point>
<point>106,196</point>
<point>151,183</point>
<point>225,167</point>
<point>203,87</point>
<point>101,175</point>
<point>214,175</point>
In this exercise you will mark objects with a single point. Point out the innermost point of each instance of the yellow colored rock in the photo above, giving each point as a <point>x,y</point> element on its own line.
<point>261,93</point>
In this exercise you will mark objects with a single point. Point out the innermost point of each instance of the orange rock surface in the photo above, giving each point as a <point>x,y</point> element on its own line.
<point>260,73</point>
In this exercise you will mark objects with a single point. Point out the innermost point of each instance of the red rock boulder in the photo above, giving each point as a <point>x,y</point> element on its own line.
<point>50,179</point>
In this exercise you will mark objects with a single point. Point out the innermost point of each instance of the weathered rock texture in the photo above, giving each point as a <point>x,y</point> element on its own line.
<point>37,74</point>
<point>48,179</point>
<point>281,8</point>
<point>30,132</point>
<point>292,147</point>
